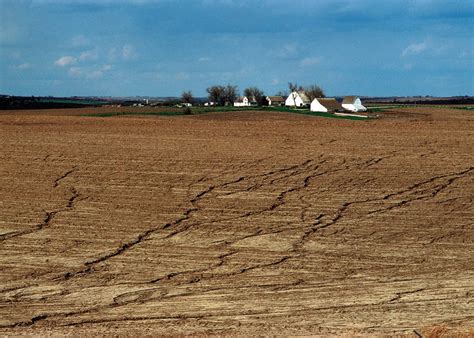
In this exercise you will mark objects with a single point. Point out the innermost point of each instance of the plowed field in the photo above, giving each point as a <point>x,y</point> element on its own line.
<point>236,223</point>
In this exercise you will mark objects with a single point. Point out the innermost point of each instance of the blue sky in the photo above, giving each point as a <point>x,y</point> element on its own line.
<point>162,47</point>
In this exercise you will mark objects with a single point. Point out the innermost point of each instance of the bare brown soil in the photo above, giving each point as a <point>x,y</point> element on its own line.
<point>237,223</point>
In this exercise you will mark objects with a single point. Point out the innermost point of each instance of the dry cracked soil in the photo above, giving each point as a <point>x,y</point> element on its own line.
<point>236,223</point>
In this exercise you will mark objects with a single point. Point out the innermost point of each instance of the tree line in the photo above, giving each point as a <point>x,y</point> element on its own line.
<point>226,95</point>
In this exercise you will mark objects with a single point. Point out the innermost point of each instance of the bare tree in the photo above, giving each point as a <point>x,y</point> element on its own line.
<point>222,95</point>
<point>256,94</point>
<point>292,86</point>
<point>248,92</point>
<point>187,97</point>
<point>230,94</point>
<point>216,94</point>
<point>313,92</point>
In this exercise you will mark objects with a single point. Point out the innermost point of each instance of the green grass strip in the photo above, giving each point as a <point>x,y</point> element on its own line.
<point>199,110</point>
<point>161,113</point>
<point>332,116</point>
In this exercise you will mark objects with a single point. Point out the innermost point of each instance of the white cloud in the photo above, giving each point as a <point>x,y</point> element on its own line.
<point>96,74</point>
<point>128,52</point>
<point>78,72</point>
<point>182,76</point>
<point>288,50</point>
<point>89,55</point>
<point>90,73</point>
<point>415,48</point>
<point>80,41</point>
<point>65,61</point>
<point>204,59</point>
<point>310,61</point>
<point>23,66</point>
<point>75,72</point>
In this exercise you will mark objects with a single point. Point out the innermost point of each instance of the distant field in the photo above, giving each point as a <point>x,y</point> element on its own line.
<point>380,107</point>
<point>255,222</point>
<point>12,103</point>
<point>72,101</point>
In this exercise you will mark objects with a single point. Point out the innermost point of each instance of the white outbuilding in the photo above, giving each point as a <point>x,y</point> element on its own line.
<point>353,103</point>
<point>275,101</point>
<point>297,99</point>
<point>325,105</point>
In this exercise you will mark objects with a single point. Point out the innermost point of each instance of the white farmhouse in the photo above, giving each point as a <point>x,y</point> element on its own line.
<point>324,105</point>
<point>242,102</point>
<point>297,99</point>
<point>353,103</point>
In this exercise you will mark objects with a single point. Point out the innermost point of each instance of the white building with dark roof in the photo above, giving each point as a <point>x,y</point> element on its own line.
<point>275,100</point>
<point>353,103</point>
<point>297,99</point>
<point>325,105</point>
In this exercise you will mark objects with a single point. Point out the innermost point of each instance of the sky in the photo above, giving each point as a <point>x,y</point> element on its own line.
<point>164,47</point>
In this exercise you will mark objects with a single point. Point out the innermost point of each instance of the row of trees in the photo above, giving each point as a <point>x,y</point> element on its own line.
<point>223,95</point>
